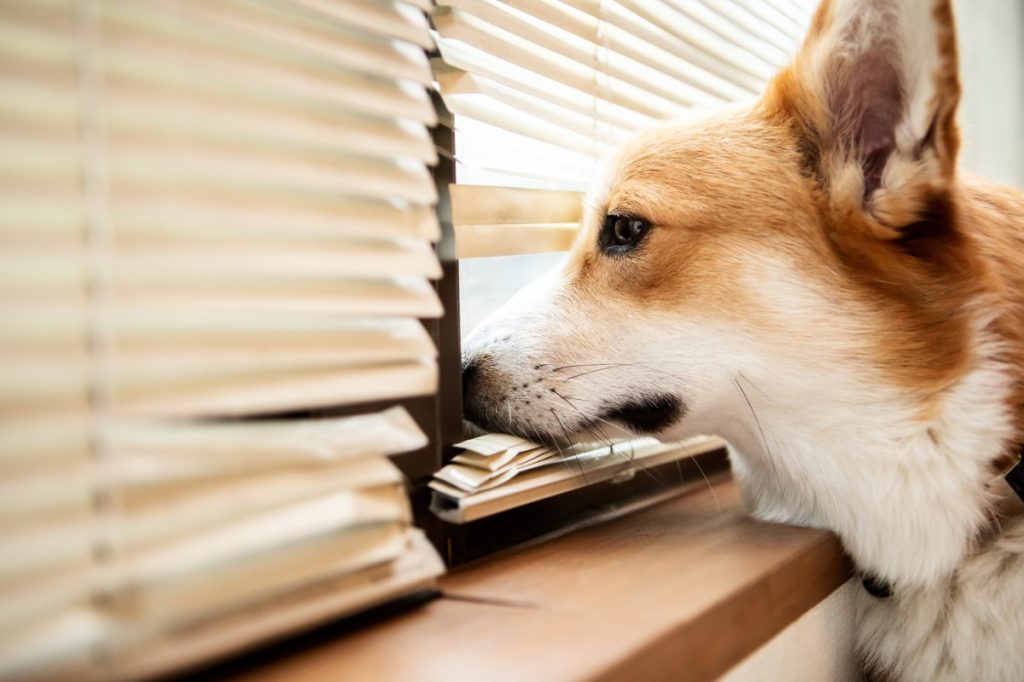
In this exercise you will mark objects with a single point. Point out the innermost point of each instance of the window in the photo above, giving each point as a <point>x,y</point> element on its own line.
<point>538,92</point>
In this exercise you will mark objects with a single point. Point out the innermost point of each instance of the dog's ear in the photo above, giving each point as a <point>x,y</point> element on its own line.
<point>873,95</point>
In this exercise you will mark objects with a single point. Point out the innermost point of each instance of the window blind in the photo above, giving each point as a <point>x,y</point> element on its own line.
<point>214,217</point>
<point>541,89</point>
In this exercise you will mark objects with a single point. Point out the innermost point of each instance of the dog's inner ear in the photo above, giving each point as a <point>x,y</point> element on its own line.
<point>873,94</point>
<point>866,103</point>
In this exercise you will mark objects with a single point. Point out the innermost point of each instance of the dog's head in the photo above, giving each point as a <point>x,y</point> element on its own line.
<point>806,244</point>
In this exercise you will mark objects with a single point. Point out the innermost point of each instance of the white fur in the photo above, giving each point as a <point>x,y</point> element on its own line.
<point>967,627</point>
<point>905,495</point>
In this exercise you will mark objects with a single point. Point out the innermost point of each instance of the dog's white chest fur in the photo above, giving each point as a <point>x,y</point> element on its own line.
<point>908,499</point>
<point>905,495</point>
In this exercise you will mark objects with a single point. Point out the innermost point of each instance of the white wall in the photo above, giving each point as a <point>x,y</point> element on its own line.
<point>816,647</point>
<point>992,71</point>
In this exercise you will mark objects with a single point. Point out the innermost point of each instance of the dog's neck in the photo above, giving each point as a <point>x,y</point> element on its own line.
<point>907,497</point>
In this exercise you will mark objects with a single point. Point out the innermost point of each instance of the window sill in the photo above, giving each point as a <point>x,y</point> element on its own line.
<point>684,589</point>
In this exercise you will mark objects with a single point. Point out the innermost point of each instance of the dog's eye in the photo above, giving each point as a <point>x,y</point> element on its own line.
<point>622,232</point>
<point>627,230</point>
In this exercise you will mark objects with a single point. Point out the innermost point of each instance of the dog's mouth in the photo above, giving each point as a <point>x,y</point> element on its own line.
<point>650,414</point>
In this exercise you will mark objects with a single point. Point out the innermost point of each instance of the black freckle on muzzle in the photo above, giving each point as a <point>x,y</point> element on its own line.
<point>650,414</point>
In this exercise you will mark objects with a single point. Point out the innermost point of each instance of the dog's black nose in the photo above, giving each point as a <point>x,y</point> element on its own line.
<point>469,371</point>
<point>472,400</point>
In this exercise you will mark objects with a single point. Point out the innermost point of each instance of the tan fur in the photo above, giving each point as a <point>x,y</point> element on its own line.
<point>996,218</point>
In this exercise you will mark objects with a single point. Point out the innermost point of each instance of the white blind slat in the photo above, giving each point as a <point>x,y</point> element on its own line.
<point>160,516</point>
<point>618,42</point>
<point>150,66</point>
<point>642,23</point>
<point>196,168</point>
<point>623,68</point>
<point>210,449</point>
<point>237,27</point>
<point>506,45</point>
<point>222,588</point>
<point>506,108</point>
<point>392,19</point>
<point>317,602</point>
<point>731,32</point>
<point>461,58</point>
<point>743,19</point>
<point>156,115</point>
<point>267,394</point>
<point>791,22</point>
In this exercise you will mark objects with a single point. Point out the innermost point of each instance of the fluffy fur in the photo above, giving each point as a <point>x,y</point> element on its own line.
<point>823,289</point>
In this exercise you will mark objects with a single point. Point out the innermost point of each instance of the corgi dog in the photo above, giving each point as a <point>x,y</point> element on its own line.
<point>812,279</point>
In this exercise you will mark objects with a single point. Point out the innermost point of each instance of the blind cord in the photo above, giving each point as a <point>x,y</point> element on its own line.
<point>99,331</point>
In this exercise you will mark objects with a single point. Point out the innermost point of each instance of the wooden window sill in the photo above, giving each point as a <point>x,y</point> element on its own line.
<point>684,590</point>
